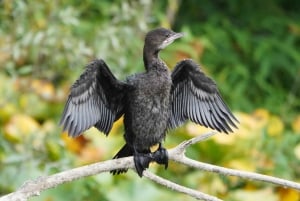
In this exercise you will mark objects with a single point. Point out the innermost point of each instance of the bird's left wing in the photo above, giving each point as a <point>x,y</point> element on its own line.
<point>96,99</point>
<point>195,97</point>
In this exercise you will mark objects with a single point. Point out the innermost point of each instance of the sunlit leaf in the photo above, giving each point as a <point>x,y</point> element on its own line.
<point>6,111</point>
<point>116,126</point>
<point>296,124</point>
<point>251,195</point>
<point>297,151</point>
<point>250,124</point>
<point>49,126</point>
<point>261,116</point>
<point>53,150</point>
<point>195,130</point>
<point>75,145</point>
<point>275,126</point>
<point>242,164</point>
<point>18,126</point>
<point>43,88</point>
<point>226,139</point>
<point>90,154</point>
<point>287,194</point>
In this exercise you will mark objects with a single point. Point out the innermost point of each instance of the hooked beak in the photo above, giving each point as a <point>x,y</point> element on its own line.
<point>170,40</point>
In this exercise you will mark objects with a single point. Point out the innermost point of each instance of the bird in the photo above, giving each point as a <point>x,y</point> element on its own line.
<point>152,102</point>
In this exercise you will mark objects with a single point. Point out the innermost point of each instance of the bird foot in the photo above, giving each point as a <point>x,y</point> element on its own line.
<point>141,162</point>
<point>161,156</point>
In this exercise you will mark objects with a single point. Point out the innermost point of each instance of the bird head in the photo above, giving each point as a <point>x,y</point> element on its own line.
<point>160,38</point>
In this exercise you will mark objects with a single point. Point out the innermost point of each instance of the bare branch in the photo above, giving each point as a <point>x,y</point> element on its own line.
<point>182,189</point>
<point>177,154</point>
<point>180,149</point>
<point>238,173</point>
<point>34,187</point>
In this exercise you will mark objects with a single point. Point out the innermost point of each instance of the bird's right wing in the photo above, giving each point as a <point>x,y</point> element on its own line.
<point>195,97</point>
<point>96,99</point>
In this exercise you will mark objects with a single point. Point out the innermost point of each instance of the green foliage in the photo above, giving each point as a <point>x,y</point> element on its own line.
<point>46,39</point>
<point>251,49</point>
<point>254,50</point>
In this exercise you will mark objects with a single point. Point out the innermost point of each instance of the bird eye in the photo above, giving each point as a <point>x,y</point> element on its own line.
<point>167,35</point>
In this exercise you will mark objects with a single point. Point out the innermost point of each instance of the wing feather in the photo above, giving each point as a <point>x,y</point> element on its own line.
<point>95,99</point>
<point>222,125</point>
<point>195,97</point>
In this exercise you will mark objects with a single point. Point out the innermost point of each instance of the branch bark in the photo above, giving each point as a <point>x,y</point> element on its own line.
<point>177,154</point>
<point>34,187</point>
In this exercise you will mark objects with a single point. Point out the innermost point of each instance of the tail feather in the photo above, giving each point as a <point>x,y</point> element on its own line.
<point>125,151</point>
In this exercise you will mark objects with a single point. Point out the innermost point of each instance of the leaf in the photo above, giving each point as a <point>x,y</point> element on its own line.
<point>43,88</point>
<point>262,116</point>
<point>195,130</point>
<point>251,195</point>
<point>226,139</point>
<point>116,126</point>
<point>297,151</point>
<point>296,124</point>
<point>53,150</point>
<point>19,126</point>
<point>6,111</point>
<point>75,145</point>
<point>287,194</point>
<point>90,154</point>
<point>275,126</point>
<point>242,164</point>
<point>251,124</point>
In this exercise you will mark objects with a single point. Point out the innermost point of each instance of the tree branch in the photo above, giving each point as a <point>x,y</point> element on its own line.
<point>182,189</point>
<point>34,187</point>
<point>177,154</point>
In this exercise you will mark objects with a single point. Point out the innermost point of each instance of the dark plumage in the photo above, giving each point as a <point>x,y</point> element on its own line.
<point>152,102</point>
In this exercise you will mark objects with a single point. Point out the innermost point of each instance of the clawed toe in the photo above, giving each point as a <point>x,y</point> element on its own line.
<point>161,156</point>
<point>141,162</point>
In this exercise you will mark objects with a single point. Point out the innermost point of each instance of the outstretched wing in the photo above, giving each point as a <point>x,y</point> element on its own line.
<point>96,99</point>
<point>195,96</point>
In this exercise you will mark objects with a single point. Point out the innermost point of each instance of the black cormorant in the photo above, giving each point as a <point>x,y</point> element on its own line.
<point>152,102</point>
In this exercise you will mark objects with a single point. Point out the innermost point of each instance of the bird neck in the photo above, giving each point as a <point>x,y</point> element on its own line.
<point>150,56</point>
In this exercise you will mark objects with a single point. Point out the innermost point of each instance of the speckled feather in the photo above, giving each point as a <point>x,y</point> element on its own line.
<point>147,112</point>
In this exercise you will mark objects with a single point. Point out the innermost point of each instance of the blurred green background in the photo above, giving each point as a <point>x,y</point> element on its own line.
<point>251,49</point>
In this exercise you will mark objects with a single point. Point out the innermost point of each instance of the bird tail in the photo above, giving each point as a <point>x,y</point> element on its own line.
<point>125,151</point>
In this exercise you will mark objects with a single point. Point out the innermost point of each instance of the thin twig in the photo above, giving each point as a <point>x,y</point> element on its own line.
<point>238,173</point>
<point>196,194</point>
<point>180,149</point>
